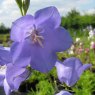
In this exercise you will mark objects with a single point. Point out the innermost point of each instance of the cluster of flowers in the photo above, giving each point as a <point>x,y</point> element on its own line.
<point>91,34</point>
<point>78,47</point>
<point>36,39</point>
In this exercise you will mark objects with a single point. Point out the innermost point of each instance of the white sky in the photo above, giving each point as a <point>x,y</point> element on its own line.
<point>9,11</point>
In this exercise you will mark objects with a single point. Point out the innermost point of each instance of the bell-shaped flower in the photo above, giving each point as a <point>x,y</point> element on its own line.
<point>70,70</point>
<point>12,76</point>
<point>63,92</point>
<point>38,38</point>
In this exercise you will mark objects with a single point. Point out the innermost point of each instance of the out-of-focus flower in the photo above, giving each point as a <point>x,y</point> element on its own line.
<point>71,52</point>
<point>92,45</point>
<point>80,50</point>
<point>63,93</point>
<point>70,70</point>
<point>91,34</point>
<point>81,44</point>
<point>87,50</point>
<point>38,38</point>
<point>77,40</point>
<point>89,27</point>
<point>72,47</point>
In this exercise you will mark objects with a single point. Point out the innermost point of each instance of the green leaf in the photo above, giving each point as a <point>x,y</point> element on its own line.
<point>19,3</point>
<point>26,4</point>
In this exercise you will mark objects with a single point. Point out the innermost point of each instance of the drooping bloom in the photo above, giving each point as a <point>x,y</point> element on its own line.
<point>63,93</point>
<point>38,38</point>
<point>70,70</point>
<point>11,76</point>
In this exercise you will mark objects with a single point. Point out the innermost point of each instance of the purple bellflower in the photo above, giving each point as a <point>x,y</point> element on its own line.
<point>63,93</point>
<point>70,70</point>
<point>11,76</point>
<point>38,38</point>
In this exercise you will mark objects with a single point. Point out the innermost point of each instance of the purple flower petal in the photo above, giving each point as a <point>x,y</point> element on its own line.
<point>6,88</point>
<point>42,59</point>
<point>5,56</point>
<point>18,80</point>
<point>20,28</point>
<point>63,93</point>
<point>83,68</point>
<point>60,40</point>
<point>70,70</point>
<point>14,72</point>
<point>20,54</point>
<point>2,77</point>
<point>49,14</point>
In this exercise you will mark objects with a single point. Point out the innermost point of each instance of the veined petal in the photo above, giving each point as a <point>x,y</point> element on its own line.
<point>48,17</point>
<point>21,27</point>
<point>66,74</point>
<point>21,54</point>
<point>12,73</point>
<point>18,80</point>
<point>73,63</point>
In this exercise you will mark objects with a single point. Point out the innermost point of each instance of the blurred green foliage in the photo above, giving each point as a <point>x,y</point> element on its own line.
<point>73,20</point>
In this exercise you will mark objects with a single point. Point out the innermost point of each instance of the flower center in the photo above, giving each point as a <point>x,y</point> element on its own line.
<point>36,38</point>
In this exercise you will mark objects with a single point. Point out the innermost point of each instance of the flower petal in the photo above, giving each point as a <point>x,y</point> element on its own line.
<point>42,59</point>
<point>63,93</point>
<point>61,40</point>
<point>6,88</point>
<point>70,70</point>
<point>62,72</point>
<point>20,54</point>
<point>2,77</point>
<point>83,68</point>
<point>5,56</point>
<point>12,73</point>
<point>18,80</point>
<point>49,14</point>
<point>21,27</point>
<point>56,39</point>
<point>66,74</point>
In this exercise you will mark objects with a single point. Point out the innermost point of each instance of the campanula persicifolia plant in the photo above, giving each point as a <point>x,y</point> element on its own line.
<point>36,41</point>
